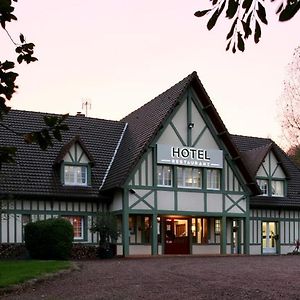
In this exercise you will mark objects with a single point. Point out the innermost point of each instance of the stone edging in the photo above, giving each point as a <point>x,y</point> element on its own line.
<point>42,278</point>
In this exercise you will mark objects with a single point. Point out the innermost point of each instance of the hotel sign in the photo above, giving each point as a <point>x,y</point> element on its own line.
<point>188,156</point>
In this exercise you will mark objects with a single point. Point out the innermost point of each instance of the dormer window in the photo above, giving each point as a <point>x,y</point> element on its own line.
<point>271,178</point>
<point>75,162</point>
<point>75,175</point>
<point>263,185</point>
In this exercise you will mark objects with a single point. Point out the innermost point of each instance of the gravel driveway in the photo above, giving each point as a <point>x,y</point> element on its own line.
<point>177,277</point>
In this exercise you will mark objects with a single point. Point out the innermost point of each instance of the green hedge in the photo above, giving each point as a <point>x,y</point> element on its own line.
<point>49,239</point>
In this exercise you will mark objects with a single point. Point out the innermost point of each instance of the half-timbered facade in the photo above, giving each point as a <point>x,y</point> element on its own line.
<point>178,181</point>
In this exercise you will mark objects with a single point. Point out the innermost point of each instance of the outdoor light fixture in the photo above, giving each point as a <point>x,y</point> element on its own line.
<point>191,125</point>
<point>131,191</point>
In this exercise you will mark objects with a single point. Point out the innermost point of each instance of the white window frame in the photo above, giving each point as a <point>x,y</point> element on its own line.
<point>275,188</point>
<point>185,177</point>
<point>213,179</point>
<point>74,218</point>
<point>165,172</point>
<point>263,183</point>
<point>76,179</point>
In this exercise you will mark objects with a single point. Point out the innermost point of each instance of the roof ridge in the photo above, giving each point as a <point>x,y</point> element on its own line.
<point>251,136</point>
<point>188,78</point>
<point>257,148</point>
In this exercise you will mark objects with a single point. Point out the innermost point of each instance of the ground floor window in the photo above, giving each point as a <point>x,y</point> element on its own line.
<point>140,229</point>
<point>78,226</point>
<point>200,230</point>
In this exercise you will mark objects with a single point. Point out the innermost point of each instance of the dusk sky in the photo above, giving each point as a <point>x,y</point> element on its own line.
<point>121,54</point>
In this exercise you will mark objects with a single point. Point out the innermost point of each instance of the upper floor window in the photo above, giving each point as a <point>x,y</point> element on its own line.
<point>277,188</point>
<point>75,175</point>
<point>75,164</point>
<point>189,177</point>
<point>164,175</point>
<point>213,179</point>
<point>272,187</point>
<point>263,185</point>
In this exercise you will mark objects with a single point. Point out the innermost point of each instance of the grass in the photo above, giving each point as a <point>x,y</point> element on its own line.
<point>18,271</point>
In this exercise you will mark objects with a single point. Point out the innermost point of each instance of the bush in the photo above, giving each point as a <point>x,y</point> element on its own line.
<point>49,239</point>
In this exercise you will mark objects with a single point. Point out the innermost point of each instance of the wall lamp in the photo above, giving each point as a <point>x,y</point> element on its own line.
<point>131,191</point>
<point>191,125</point>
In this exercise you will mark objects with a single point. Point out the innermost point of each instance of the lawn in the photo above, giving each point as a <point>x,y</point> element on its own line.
<point>18,271</point>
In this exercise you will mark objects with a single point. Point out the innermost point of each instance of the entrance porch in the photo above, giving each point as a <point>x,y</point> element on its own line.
<point>182,235</point>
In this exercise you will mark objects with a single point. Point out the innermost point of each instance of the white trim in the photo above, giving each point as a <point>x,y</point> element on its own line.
<point>114,155</point>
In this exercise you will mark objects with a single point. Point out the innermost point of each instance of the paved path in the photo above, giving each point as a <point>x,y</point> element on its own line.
<point>242,277</point>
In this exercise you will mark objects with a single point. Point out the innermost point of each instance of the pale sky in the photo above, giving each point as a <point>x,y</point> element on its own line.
<point>121,54</point>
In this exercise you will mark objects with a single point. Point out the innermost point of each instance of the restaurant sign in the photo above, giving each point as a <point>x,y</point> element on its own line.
<point>188,156</point>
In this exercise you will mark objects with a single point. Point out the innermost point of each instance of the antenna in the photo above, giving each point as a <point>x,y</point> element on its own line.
<point>86,104</point>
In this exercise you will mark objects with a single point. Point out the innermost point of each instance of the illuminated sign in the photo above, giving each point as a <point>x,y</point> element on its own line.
<point>188,156</point>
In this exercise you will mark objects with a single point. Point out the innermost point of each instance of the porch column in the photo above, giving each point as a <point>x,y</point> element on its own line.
<point>125,225</point>
<point>246,235</point>
<point>154,235</point>
<point>223,235</point>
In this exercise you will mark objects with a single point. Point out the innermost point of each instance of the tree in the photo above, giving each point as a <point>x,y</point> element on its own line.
<point>294,155</point>
<point>246,16</point>
<point>25,51</point>
<point>106,225</point>
<point>289,102</point>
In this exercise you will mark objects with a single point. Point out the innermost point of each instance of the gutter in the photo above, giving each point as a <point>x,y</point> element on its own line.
<point>113,157</point>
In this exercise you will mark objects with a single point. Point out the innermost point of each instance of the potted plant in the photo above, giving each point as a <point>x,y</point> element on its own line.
<point>107,227</point>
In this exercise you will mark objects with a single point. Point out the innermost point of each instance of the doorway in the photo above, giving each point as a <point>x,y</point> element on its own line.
<point>269,237</point>
<point>177,238</point>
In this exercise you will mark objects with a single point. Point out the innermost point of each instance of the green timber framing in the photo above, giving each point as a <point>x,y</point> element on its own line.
<point>134,183</point>
<point>123,165</point>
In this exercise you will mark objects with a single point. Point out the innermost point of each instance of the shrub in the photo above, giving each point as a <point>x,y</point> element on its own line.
<point>49,239</point>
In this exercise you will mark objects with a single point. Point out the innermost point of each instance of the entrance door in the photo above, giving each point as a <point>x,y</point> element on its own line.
<point>177,236</point>
<point>269,237</point>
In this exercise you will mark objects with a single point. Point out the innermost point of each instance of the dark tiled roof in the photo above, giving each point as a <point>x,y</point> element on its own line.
<point>254,157</point>
<point>35,173</point>
<point>145,122</point>
<point>259,145</point>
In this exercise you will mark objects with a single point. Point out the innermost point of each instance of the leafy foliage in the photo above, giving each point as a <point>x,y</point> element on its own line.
<point>247,17</point>
<point>289,102</point>
<point>49,239</point>
<point>107,227</point>
<point>53,125</point>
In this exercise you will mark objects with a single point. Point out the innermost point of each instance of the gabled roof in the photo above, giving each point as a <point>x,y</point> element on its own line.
<point>253,158</point>
<point>262,146</point>
<point>64,150</point>
<point>34,173</point>
<point>145,122</point>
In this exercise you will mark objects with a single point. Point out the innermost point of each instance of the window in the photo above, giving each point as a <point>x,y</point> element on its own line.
<point>164,175</point>
<point>277,188</point>
<point>75,175</point>
<point>200,230</point>
<point>77,223</point>
<point>217,226</point>
<point>263,185</point>
<point>213,179</point>
<point>189,177</point>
